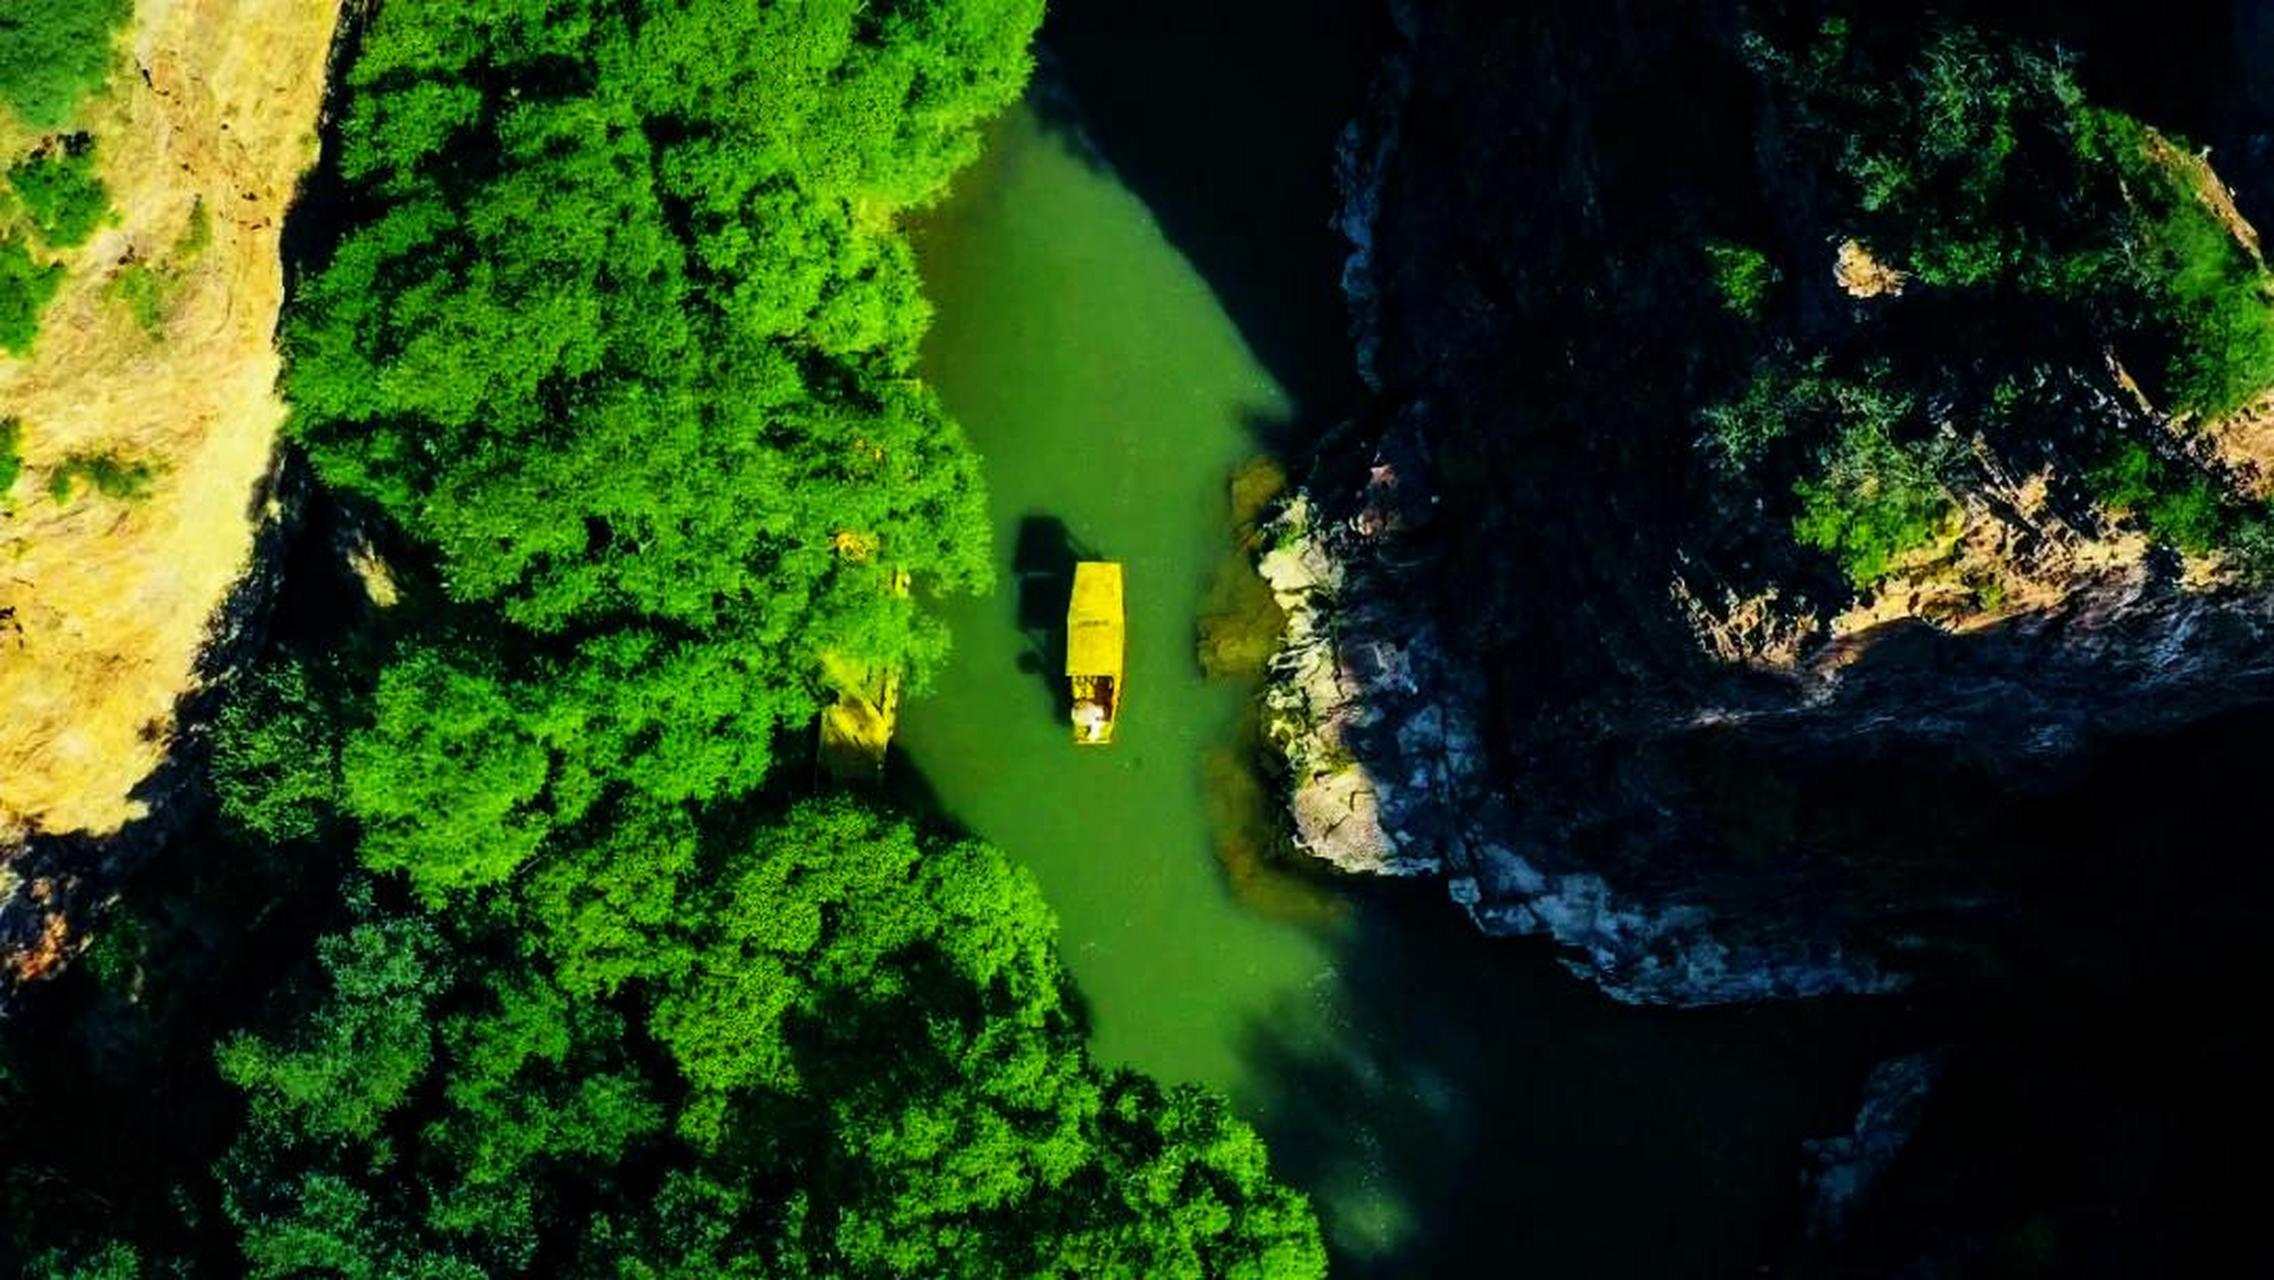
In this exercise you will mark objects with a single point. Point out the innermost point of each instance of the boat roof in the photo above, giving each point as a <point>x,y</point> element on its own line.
<point>1094,620</point>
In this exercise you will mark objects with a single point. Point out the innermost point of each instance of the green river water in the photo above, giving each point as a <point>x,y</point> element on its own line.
<point>1455,1105</point>
<point>1108,394</point>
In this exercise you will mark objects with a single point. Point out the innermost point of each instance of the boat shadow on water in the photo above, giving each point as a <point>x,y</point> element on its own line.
<point>1042,563</point>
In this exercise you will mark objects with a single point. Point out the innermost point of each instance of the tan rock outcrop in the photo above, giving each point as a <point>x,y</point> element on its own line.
<point>208,121</point>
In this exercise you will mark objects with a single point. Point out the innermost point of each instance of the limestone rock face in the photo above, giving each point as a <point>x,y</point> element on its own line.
<point>1352,685</point>
<point>1846,1167</point>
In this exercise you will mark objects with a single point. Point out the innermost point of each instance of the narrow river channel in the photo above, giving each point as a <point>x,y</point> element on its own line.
<point>1454,1105</point>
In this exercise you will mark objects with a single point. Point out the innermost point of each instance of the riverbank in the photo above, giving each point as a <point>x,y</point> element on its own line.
<point>1375,723</point>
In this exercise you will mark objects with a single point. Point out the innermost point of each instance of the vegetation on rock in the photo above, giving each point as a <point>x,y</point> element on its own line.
<point>59,191</point>
<point>1742,275</point>
<point>105,473</point>
<point>26,286</point>
<point>11,454</point>
<point>1975,167</point>
<point>51,54</point>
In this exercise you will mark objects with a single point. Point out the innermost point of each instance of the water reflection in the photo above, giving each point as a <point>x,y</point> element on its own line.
<point>1240,622</point>
<point>1237,630</point>
<point>1249,833</point>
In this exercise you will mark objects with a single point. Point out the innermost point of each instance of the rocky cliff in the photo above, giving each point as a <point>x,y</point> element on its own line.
<point>1535,649</point>
<point>158,351</point>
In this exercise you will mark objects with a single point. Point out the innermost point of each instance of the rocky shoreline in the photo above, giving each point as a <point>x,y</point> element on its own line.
<point>1373,716</point>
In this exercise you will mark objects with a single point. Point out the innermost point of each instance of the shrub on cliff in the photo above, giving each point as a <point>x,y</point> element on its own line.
<point>2184,510</point>
<point>26,286</point>
<point>11,454</point>
<point>2214,297</point>
<point>1787,395</point>
<point>1984,165</point>
<point>1871,500</point>
<point>858,1061</point>
<point>109,474</point>
<point>60,192</point>
<point>1742,275</point>
<point>1954,150</point>
<point>2038,233</point>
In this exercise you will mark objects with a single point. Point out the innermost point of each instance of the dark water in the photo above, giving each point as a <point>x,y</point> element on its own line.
<point>1135,293</point>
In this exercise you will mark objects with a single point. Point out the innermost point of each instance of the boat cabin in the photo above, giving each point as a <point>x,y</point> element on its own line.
<point>1095,639</point>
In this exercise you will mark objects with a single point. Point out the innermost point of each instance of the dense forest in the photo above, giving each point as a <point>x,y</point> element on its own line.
<point>512,950</point>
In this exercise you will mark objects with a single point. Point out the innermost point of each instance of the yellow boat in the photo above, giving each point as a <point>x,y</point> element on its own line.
<point>1094,643</point>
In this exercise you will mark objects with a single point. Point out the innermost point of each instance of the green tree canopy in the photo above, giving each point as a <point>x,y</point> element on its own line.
<point>631,376</point>
<point>647,362</point>
<point>53,51</point>
<point>620,335</point>
<point>859,1060</point>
